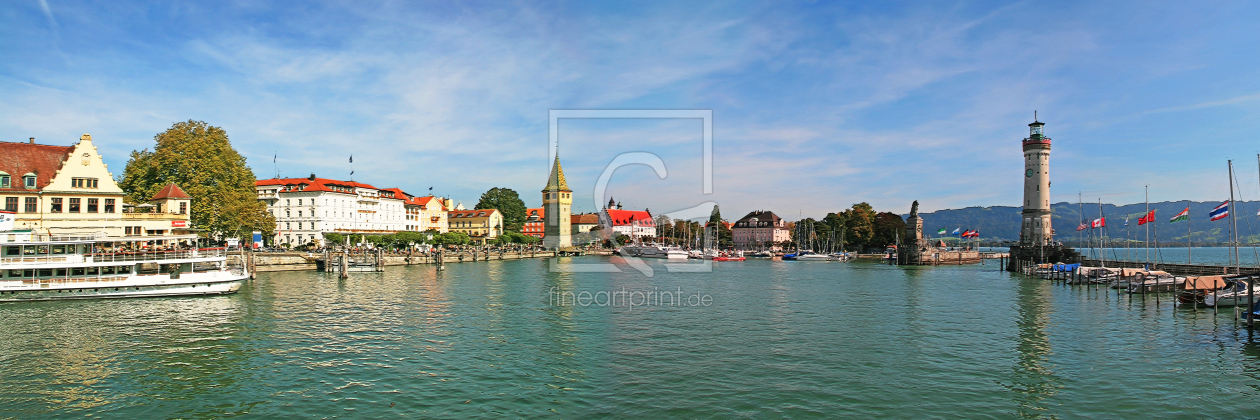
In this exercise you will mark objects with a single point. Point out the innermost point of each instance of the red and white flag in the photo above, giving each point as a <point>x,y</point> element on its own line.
<point>1099,223</point>
<point>1083,226</point>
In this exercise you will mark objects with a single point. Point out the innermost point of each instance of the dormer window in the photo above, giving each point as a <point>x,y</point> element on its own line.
<point>28,180</point>
<point>4,179</point>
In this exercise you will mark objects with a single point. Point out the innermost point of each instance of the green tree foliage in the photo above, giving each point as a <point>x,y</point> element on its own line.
<point>452,238</point>
<point>200,159</point>
<point>508,202</point>
<point>887,227</point>
<point>859,225</point>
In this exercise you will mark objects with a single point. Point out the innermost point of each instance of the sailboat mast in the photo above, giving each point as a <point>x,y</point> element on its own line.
<point>1102,246</point>
<point>1233,234</point>
<point>1148,226</point>
<point>1189,241</point>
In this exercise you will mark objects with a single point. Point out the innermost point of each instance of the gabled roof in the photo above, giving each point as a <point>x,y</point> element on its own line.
<point>426,200</point>
<point>628,217</point>
<point>584,219</point>
<point>761,216</point>
<point>18,159</point>
<point>171,191</point>
<point>556,182</point>
<point>535,212</point>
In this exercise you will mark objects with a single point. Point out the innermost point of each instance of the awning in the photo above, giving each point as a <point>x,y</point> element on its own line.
<point>1205,283</point>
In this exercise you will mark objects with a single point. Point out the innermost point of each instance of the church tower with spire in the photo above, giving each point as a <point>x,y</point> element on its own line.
<point>557,202</point>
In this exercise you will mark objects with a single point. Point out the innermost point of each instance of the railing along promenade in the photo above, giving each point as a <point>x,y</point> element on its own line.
<point>1173,268</point>
<point>98,257</point>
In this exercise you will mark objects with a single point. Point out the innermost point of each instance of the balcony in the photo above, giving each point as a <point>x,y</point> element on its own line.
<point>115,257</point>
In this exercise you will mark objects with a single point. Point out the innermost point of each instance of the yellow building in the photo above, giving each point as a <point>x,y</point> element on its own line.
<point>480,225</point>
<point>68,190</point>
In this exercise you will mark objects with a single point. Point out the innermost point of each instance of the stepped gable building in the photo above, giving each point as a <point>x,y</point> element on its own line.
<point>557,200</point>
<point>68,190</point>
<point>534,223</point>
<point>307,208</point>
<point>480,225</point>
<point>758,228</point>
<point>636,224</point>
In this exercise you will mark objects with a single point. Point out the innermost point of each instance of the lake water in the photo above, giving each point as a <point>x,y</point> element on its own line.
<point>749,339</point>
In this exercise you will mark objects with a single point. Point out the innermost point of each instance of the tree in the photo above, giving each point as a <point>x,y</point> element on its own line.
<point>859,226</point>
<point>887,227</point>
<point>507,202</point>
<point>200,159</point>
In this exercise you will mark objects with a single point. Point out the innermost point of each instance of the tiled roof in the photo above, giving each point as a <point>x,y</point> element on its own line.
<point>762,216</point>
<point>316,185</point>
<point>534,212</point>
<point>626,217</point>
<point>18,159</point>
<point>171,191</point>
<point>585,219</point>
<point>556,182</point>
<point>471,213</point>
<point>424,201</point>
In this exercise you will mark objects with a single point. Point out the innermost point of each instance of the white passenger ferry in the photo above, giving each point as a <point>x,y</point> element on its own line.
<point>51,267</point>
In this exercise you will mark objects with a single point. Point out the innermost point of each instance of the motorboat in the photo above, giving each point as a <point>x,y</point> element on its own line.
<point>1235,293</point>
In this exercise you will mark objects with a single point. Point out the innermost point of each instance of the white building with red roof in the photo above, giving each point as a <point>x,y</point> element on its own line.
<point>307,208</point>
<point>633,223</point>
<point>534,223</point>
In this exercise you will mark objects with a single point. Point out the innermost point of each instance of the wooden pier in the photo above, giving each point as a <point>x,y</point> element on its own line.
<point>1174,269</point>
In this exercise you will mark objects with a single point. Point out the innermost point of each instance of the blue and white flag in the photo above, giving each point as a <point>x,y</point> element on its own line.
<point>956,231</point>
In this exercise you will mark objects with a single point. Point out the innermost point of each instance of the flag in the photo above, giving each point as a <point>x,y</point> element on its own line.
<point>956,231</point>
<point>1220,212</point>
<point>273,158</point>
<point>941,232</point>
<point>351,158</point>
<point>1148,218</point>
<point>1099,223</point>
<point>1126,222</point>
<point>1082,226</point>
<point>1184,215</point>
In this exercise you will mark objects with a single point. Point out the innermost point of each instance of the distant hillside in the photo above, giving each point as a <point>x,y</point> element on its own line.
<point>1002,222</point>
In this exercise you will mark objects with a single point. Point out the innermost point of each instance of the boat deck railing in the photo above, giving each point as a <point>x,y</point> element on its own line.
<point>98,257</point>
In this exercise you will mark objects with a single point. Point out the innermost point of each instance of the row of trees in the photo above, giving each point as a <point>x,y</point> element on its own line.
<point>859,226</point>
<point>403,240</point>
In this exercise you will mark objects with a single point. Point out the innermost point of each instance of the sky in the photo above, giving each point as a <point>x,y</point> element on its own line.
<point>816,105</point>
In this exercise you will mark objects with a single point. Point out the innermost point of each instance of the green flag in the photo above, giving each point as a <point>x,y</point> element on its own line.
<point>1184,215</point>
<point>940,232</point>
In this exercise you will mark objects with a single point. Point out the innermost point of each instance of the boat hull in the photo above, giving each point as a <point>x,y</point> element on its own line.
<point>118,290</point>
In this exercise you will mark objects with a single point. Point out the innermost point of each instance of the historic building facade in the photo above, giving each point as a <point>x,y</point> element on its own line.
<point>534,225</point>
<point>759,228</point>
<point>480,225</point>
<point>307,208</point>
<point>68,190</point>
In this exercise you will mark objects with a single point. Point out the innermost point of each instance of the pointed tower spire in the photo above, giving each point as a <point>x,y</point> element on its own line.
<point>556,181</point>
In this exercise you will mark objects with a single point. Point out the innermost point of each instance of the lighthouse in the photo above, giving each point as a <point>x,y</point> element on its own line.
<point>1035,228</point>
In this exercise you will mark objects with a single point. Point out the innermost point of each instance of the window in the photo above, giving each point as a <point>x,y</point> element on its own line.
<point>299,201</point>
<point>56,205</point>
<point>10,204</point>
<point>183,207</point>
<point>109,205</point>
<point>83,183</point>
<point>93,205</point>
<point>29,181</point>
<point>31,206</point>
<point>286,201</point>
<point>128,230</point>
<point>74,205</point>
<point>4,180</point>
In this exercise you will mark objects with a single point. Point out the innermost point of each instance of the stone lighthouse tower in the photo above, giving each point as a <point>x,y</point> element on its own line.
<point>1035,228</point>
<point>557,202</point>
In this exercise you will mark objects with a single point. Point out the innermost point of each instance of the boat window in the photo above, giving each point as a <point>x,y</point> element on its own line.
<point>15,273</point>
<point>92,271</point>
<point>12,251</point>
<point>61,272</point>
<point>47,272</point>
<point>58,249</point>
<point>78,271</point>
<point>107,270</point>
<point>42,250</point>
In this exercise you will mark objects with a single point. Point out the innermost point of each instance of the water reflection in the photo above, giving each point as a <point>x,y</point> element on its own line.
<point>1033,379</point>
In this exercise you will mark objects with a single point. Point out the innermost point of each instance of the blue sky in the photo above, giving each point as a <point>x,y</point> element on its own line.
<point>816,105</point>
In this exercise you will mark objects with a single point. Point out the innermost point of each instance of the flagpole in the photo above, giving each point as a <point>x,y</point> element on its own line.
<point>1233,235</point>
<point>1148,228</point>
<point>1102,246</point>
<point>1189,242</point>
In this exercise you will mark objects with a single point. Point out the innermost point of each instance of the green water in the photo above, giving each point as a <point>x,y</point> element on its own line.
<point>776,339</point>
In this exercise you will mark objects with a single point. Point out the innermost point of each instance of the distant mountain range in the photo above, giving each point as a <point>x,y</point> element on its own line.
<point>1002,222</point>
